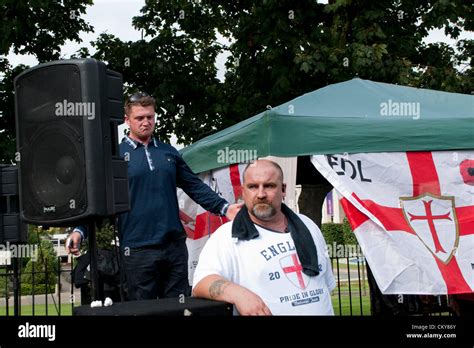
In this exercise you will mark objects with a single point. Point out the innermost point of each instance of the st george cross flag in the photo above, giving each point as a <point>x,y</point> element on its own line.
<point>413,215</point>
<point>200,224</point>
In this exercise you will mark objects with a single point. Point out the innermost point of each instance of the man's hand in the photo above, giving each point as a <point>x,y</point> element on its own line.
<point>233,210</point>
<point>249,303</point>
<point>73,243</point>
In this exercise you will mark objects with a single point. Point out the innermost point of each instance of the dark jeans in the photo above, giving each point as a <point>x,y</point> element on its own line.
<point>157,271</point>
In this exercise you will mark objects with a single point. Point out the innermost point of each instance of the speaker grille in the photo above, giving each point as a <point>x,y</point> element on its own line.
<point>52,162</point>
<point>55,174</point>
<point>41,89</point>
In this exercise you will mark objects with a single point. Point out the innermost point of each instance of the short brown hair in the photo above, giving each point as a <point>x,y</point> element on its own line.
<point>140,98</point>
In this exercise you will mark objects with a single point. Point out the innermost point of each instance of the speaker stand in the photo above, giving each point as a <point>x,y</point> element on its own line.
<point>16,287</point>
<point>95,288</point>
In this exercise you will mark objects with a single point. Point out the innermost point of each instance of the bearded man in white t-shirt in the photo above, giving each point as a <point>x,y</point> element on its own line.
<point>268,260</point>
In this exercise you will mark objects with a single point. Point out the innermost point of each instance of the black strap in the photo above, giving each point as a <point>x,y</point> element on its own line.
<point>243,228</point>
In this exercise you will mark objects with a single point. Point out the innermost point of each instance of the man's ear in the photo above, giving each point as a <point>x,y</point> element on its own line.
<point>283,188</point>
<point>125,119</point>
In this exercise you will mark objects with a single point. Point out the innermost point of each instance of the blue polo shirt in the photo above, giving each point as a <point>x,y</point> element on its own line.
<point>154,172</point>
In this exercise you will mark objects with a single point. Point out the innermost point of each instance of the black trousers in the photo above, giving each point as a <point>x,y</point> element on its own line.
<point>157,271</point>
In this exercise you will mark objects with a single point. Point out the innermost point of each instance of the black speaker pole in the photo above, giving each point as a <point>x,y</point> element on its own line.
<point>93,255</point>
<point>16,287</point>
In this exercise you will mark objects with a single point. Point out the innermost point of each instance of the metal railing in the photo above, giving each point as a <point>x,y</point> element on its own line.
<point>352,295</point>
<point>18,298</point>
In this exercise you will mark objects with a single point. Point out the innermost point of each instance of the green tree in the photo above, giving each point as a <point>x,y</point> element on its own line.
<point>39,28</point>
<point>349,236</point>
<point>333,234</point>
<point>104,237</point>
<point>280,49</point>
<point>277,50</point>
<point>43,269</point>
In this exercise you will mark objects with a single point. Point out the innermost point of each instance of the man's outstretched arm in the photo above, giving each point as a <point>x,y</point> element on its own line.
<point>217,288</point>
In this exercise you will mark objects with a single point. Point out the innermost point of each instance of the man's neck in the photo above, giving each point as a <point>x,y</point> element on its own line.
<point>277,223</point>
<point>141,141</point>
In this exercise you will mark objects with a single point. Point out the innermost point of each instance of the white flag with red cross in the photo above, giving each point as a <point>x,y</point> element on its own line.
<point>198,223</point>
<point>413,215</point>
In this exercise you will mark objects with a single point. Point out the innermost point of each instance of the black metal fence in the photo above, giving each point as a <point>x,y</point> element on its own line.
<point>356,293</point>
<point>36,298</point>
<point>352,296</point>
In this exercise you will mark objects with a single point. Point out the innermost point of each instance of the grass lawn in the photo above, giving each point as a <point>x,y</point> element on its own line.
<point>345,305</point>
<point>40,309</point>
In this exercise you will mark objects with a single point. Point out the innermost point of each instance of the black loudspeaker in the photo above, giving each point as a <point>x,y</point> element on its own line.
<point>12,230</point>
<point>67,113</point>
<point>187,306</point>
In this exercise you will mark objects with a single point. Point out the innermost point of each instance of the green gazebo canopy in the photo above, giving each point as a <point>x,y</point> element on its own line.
<point>353,116</point>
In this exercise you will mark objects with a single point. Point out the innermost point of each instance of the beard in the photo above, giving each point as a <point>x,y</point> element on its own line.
<point>263,211</point>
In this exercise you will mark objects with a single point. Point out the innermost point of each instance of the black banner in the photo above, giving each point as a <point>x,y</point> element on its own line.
<point>139,330</point>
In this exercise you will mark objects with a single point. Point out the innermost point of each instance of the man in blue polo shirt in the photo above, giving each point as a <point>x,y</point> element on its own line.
<point>152,238</point>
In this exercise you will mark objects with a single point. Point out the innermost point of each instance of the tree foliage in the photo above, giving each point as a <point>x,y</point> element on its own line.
<point>41,270</point>
<point>280,49</point>
<point>7,114</point>
<point>276,50</point>
<point>39,28</point>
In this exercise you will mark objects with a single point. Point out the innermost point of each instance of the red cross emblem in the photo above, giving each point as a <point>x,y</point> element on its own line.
<point>294,271</point>
<point>433,219</point>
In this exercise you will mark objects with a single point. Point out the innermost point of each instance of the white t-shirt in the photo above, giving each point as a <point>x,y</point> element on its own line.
<point>269,266</point>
